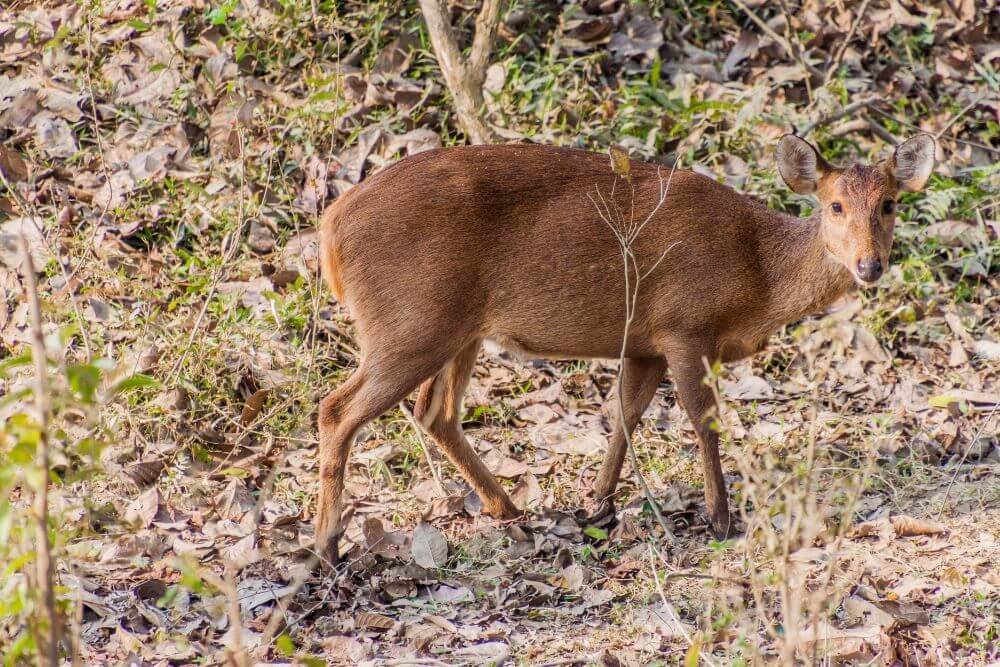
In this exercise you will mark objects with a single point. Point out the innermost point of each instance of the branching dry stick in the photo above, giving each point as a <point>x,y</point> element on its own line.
<point>882,133</point>
<point>279,621</point>
<point>782,42</point>
<point>464,77</point>
<point>793,39</point>
<point>954,119</point>
<point>958,140</point>
<point>48,649</point>
<point>32,211</point>
<point>626,232</point>
<point>846,111</point>
<point>91,58</point>
<point>871,104</point>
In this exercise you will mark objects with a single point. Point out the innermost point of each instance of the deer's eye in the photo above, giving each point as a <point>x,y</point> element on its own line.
<point>888,206</point>
<point>836,207</point>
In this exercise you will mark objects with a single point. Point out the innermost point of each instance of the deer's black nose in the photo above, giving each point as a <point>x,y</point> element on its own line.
<point>870,270</point>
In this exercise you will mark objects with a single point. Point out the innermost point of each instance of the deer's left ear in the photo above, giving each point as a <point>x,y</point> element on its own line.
<point>913,162</point>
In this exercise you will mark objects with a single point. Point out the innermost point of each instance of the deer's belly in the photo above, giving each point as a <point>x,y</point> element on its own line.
<point>734,349</point>
<point>595,346</point>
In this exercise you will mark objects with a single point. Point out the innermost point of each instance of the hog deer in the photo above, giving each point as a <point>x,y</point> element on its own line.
<point>450,247</point>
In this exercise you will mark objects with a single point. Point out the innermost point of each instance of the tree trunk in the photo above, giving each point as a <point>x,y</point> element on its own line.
<point>464,76</point>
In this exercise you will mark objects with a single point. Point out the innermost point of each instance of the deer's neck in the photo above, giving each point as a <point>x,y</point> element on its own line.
<point>804,277</point>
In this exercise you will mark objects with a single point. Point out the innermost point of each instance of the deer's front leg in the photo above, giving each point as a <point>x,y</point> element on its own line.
<point>641,378</point>
<point>697,398</point>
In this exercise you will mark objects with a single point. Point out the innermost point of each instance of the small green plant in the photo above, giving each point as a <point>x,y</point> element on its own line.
<point>40,422</point>
<point>32,422</point>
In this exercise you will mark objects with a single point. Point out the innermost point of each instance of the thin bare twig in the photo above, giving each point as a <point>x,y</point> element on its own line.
<point>872,104</point>
<point>965,455</point>
<point>954,119</point>
<point>279,621</point>
<point>48,631</point>
<point>31,211</point>
<point>435,473</point>
<point>91,58</point>
<point>882,133</point>
<point>835,63</point>
<point>781,40</point>
<point>793,39</point>
<point>670,609</point>
<point>958,140</point>
<point>230,245</point>
<point>706,577</point>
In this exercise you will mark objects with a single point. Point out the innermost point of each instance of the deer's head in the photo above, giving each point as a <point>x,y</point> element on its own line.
<point>857,203</point>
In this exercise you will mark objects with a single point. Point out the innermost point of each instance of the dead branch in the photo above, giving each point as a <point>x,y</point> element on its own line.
<point>954,119</point>
<point>464,76</point>
<point>965,455</point>
<point>884,134</point>
<point>31,211</point>
<point>435,473</point>
<point>957,140</point>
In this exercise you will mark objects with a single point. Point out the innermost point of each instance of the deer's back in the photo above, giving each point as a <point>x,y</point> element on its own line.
<point>513,242</point>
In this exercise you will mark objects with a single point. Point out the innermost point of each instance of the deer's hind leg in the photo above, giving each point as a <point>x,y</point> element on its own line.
<point>380,382</point>
<point>439,411</point>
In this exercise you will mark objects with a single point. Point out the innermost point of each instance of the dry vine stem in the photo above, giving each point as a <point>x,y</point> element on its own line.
<point>626,232</point>
<point>47,631</point>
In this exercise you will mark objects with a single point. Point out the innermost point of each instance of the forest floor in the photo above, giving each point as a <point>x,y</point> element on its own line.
<point>167,163</point>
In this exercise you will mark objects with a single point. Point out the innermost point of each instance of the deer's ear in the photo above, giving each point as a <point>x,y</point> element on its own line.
<point>800,164</point>
<point>913,162</point>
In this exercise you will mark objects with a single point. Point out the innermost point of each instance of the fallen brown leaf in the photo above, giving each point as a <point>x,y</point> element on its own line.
<point>906,526</point>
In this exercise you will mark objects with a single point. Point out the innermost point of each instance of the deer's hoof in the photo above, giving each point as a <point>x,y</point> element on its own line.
<point>503,510</point>
<point>328,534</point>
<point>331,552</point>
